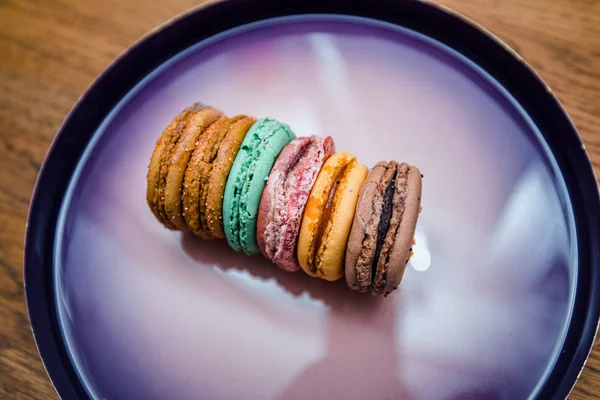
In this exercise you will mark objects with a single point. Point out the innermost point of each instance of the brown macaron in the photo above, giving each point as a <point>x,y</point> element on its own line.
<point>206,174</point>
<point>380,242</point>
<point>193,134</point>
<point>159,163</point>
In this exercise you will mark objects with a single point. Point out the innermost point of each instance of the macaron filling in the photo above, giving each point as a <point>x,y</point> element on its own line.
<point>384,223</point>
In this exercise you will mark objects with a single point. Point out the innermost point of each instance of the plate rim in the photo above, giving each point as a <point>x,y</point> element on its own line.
<point>172,37</point>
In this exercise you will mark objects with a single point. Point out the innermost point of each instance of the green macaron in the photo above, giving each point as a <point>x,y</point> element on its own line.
<point>246,181</point>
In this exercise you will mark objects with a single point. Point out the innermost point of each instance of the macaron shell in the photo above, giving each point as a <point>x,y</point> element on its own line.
<point>400,253</point>
<point>154,166</point>
<point>191,195</point>
<point>261,146</point>
<point>221,167</point>
<point>363,213</point>
<point>165,162</point>
<point>160,156</point>
<point>180,157</point>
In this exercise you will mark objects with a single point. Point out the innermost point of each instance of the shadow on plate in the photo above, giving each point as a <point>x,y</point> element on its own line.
<point>361,360</point>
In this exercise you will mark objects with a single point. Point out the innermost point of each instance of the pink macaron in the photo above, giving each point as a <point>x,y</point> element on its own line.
<point>285,196</point>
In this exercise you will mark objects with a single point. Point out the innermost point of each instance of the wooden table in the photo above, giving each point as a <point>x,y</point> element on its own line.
<point>51,50</point>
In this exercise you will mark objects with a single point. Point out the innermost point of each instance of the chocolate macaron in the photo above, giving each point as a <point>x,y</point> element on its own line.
<point>328,217</point>
<point>285,196</point>
<point>206,175</point>
<point>380,242</point>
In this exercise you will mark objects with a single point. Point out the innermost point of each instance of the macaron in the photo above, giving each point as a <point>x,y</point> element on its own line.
<point>285,196</point>
<point>180,156</point>
<point>246,181</point>
<point>160,161</point>
<point>328,217</point>
<point>381,239</point>
<point>206,174</point>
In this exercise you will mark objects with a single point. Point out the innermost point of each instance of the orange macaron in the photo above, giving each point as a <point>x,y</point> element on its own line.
<point>328,217</point>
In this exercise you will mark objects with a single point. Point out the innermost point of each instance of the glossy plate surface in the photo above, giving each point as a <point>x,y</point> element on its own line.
<point>484,306</point>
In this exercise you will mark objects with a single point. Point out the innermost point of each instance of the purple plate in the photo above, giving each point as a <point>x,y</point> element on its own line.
<point>499,301</point>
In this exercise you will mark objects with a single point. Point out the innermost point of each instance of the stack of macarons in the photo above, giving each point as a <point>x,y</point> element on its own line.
<point>295,200</point>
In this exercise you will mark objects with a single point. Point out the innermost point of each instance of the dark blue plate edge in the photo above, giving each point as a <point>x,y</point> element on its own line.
<point>433,20</point>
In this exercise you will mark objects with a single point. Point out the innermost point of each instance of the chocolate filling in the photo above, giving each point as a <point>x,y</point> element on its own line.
<point>398,206</point>
<point>384,224</point>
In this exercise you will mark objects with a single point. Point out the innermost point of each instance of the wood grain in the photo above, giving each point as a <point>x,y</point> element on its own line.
<point>51,50</point>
